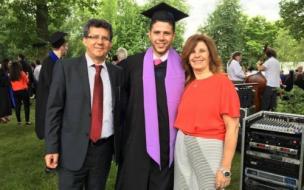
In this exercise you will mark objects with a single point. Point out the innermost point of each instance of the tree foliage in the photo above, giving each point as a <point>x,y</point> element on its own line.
<point>130,27</point>
<point>288,48</point>
<point>25,24</point>
<point>225,27</point>
<point>292,12</point>
<point>294,104</point>
<point>256,33</point>
<point>234,31</point>
<point>28,23</point>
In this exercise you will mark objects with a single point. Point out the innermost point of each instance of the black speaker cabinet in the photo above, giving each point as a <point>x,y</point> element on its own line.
<point>272,151</point>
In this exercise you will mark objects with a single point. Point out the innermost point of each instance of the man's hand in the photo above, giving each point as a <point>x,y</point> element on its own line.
<point>51,160</point>
<point>260,66</point>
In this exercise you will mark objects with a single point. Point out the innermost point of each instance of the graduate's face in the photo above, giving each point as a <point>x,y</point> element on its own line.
<point>97,43</point>
<point>161,37</point>
<point>199,58</point>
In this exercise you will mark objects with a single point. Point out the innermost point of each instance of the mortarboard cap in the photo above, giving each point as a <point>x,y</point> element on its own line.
<point>57,39</point>
<point>164,12</point>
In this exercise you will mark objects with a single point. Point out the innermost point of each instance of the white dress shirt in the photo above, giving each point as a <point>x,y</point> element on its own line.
<point>107,123</point>
<point>235,71</point>
<point>272,72</point>
<point>162,58</point>
<point>37,72</point>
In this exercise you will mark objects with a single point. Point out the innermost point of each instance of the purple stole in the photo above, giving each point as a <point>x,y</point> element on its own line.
<point>174,84</point>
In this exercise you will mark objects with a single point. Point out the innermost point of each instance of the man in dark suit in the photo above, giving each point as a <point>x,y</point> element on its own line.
<point>82,113</point>
<point>59,50</point>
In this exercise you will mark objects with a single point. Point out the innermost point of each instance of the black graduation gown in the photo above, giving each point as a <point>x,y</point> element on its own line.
<point>5,102</point>
<point>43,88</point>
<point>133,172</point>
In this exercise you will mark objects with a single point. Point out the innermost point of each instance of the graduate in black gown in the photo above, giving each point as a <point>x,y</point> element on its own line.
<point>59,49</point>
<point>5,93</point>
<point>154,82</point>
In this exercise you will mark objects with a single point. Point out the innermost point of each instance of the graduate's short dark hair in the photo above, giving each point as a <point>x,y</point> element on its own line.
<point>171,22</point>
<point>98,23</point>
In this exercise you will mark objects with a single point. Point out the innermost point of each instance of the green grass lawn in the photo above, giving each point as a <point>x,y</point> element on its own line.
<point>22,166</point>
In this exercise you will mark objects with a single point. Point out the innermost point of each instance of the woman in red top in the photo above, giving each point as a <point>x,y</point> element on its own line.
<point>19,81</point>
<point>207,119</point>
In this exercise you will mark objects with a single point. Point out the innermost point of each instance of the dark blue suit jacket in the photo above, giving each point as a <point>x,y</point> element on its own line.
<point>68,116</point>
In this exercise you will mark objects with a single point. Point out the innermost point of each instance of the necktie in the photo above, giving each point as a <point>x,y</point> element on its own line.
<point>97,106</point>
<point>157,61</point>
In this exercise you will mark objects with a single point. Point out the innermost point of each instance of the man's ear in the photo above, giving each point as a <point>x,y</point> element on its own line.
<point>84,41</point>
<point>148,34</point>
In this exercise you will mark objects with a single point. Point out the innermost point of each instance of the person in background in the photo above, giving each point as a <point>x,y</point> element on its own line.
<point>59,50</point>
<point>33,66</point>
<point>27,69</point>
<point>282,77</point>
<point>121,54</point>
<point>272,75</point>
<point>299,73</point>
<point>299,77</point>
<point>19,81</point>
<point>37,70</point>
<point>207,119</point>
<point>114,59</point>
<point>5,86</point>
<point>154,82</point>
<point>289,81</point>
<point>235,70</point>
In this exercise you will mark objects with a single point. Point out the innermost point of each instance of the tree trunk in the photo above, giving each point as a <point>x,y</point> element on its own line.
<point>42,19</point>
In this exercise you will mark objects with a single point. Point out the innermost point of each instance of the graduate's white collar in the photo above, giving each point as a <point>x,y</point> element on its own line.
<point>162,58</point>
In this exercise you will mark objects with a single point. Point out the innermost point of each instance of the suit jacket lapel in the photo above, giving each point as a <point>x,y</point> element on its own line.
<point>84,78</point>
<point>112,81</point>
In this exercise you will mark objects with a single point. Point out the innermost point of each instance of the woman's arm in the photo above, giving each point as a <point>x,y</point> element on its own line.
<point>231,136</point>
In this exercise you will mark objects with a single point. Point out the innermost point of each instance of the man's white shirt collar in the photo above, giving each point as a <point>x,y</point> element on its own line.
<point>90,62</point>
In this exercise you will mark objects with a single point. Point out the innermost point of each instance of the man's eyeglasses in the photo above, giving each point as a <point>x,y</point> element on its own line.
<point>97,37</point>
